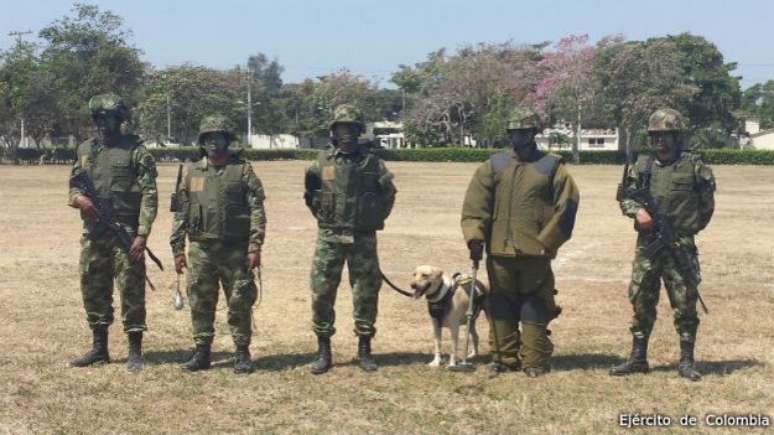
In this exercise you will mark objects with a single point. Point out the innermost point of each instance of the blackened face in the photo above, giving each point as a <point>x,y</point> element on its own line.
<point>521,140</point>
<point>108,125</point>
<point>216,145</point>
<point>345,134</point>
<point>665,143</point>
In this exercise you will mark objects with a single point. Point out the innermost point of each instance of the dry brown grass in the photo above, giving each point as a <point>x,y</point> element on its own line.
<point>42,323</point>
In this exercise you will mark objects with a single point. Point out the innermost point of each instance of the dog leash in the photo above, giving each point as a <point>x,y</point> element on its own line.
<point>395,287</point>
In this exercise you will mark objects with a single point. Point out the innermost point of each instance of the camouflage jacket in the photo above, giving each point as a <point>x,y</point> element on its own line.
<point>219,203</point>
<point>126,175</point>
<point>684,191</point>
<point>349,192</point>
<point>520,207</point>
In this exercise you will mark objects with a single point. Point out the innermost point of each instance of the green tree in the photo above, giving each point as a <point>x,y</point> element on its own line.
<point>87,54</point>
<point>758,103</point>
<point>194,92</point>
<point>24,96</point>
<point>637,79</point>
<point>719,94</point>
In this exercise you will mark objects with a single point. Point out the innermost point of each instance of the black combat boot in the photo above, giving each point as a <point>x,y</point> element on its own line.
<point>323,362</point>
<point>98,352</point>
<point>638,360</point>
<point>685,368</point>
<point>242,362</point>
<point>367,363</point>
<point>134,359</point>
<point>200,360</point>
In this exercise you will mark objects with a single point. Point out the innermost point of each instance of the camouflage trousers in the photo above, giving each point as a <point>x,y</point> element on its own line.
<point>645,287</point>
<point>213,263</point>
<point>104,262</point>
<point>359,252</point>
<point>521,291</point>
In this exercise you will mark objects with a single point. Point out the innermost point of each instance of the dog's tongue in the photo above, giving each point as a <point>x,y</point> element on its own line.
<point>417,294</point>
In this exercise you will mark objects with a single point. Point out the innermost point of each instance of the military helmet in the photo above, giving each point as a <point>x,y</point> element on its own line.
<point>665,120</point>
<point>108,103</point>
<point>521,119</point>
<point>347,113</point>
<point>215,124</point>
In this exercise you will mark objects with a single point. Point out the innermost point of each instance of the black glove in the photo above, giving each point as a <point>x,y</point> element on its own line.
<point>476,248</point>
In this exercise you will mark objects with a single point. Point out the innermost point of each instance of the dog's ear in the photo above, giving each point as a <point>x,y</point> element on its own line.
<point>436,273</point>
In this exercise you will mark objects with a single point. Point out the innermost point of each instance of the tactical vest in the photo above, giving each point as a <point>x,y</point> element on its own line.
<point>350,197</point>
<point>114,175</point>
<point>674,189</point>
<point>523,202</point>
<point>218,204</point>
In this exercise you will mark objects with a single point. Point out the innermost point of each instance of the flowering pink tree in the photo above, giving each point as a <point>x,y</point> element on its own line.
<point>567,88</point>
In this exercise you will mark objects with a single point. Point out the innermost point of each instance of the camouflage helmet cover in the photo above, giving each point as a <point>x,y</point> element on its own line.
<point>108,103</point>
<point>521,119</point>
<point>215,124</point>
<point>347,113</point>
<point>665,120</point>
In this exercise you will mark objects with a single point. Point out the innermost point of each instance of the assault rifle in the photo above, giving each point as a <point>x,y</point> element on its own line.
<point>174,202</point>
<point>661,235</point>
<point>105,215</point>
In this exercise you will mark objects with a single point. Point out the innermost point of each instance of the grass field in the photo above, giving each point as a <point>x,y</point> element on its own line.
<point>42,323</point>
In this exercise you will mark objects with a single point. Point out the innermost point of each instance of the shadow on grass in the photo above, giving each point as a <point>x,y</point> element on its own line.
<point>401,358</point>
<point>279,362</point>
<point>177,356</point>
<point>715,367</point>
<point>585,361</point>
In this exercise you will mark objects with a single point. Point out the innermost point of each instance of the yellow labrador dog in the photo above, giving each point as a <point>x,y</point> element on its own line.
<point>447,301</point>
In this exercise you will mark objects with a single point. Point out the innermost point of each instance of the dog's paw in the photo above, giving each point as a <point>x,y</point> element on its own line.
<point>452,364</point>
<point>436,362</point>
<point>473,354</point>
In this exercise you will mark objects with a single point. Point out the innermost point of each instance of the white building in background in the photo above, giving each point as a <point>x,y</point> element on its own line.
<point>593,139</point>
<point>274,141</point>
<point>387,134</point>
<point>755,138</point>
<point>762,140</point>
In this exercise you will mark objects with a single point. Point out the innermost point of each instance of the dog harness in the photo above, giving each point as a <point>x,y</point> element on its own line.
<point>439,303</point>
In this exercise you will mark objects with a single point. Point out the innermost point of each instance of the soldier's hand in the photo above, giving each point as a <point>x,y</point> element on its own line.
<point>644,220</point>
<point>137,249</point>
<point>253,260</point>
<point>180,264</point>
<point>85,204</point>
<point>476,248</point>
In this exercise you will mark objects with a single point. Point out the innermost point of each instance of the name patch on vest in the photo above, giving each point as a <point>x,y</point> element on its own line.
<point>197,184</point>
<point>328,173</point>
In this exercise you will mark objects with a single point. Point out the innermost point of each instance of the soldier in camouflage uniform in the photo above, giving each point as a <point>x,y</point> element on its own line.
<point>124,174</point>
<point>221,212</point>
<point>350,193</point>
<point>521,205</point>
<point>682,187</point>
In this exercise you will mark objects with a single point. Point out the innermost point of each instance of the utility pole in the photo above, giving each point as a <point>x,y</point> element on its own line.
<point>249,106</point>
<point>403,105</point>
<point>169,119</point>
<point>19,35</point>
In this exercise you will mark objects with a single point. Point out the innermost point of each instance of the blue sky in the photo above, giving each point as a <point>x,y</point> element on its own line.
<point>371,38</point>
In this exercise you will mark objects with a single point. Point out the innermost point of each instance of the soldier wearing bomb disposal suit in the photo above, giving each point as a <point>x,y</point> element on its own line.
<point>221,212</point>
<point>350,193</point>
<point>667,194</point>
<point>521,206</point>
<point>123,175</point>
